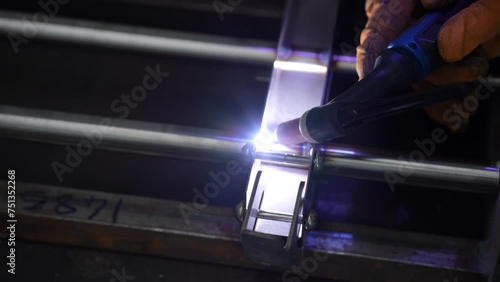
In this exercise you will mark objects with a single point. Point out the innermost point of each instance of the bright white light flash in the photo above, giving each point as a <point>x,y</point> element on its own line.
<point>348,152</point>
<point>265,139</point>
<point>300,67</point>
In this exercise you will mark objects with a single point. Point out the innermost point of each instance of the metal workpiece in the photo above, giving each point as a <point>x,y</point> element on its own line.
<point>493,244</point>
<point>182,230</point>
<point>350,258</point>
<point>275,216</point>
<point>285,159</point>
<point>266,149</point>
<point>85,131</point>
<point>394,169</point>
<point>300,66</point>
<point>274,213</point>
<point>190,143</point>
<point>278,193</point>
<point>158,41</point>
<point>143,39</point>
<point>286,99</point>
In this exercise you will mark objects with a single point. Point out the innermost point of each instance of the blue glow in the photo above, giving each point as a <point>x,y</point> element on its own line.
<point>339,151</point>
<point>341,235</point>
<point>306,54</point>
<point>332,241</point>
<point>348,59</point>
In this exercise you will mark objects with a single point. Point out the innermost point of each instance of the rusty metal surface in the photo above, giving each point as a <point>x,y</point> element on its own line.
<point>82,265</point>
<point>157,227</point>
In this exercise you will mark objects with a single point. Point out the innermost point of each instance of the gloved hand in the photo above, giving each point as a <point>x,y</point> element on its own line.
<point>475,28</point>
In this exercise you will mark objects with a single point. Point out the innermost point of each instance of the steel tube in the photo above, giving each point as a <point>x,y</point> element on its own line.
<point>450,176</point>
<point>151,40</point>
<point>191,143</point>
<point>142,39</point>
<point>118,135</point>
<point>274,216</point>
<point>286,159</point>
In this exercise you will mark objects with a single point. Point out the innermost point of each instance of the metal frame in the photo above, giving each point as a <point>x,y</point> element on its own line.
<point>275,189</point>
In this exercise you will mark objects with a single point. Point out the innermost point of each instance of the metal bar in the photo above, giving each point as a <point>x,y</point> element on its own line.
<point>274,216</point>
<point>492,256</point>
<point>152,40</point>
<point>356,259</point>
<point>355,163</point>
<point>121,222</point>
<point>285,159</point>
<point>133,224</point>
<point>142,39</point>
<point>191,143</point>
<point>119,135</point>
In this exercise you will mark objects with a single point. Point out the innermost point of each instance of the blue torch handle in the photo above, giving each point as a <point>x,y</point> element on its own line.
<point>420,40</point>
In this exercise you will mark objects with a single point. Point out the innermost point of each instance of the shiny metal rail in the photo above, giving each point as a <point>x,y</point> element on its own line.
<point>191,143</point>
<point>141,39</point>
<point>361,164</point>
<point>158,40</point>
<point>118,135</point>
<point>151,40</point>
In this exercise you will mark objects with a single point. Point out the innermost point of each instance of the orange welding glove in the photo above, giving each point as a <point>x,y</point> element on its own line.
<point>475,28</point>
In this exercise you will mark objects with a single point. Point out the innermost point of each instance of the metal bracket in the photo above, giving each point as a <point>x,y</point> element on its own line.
<point>273,224</point>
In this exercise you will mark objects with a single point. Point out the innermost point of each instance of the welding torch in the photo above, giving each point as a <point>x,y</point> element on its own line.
<point>408,59</point>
